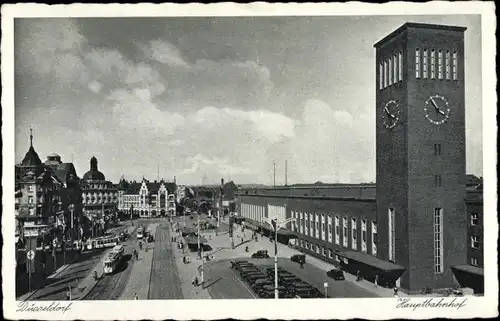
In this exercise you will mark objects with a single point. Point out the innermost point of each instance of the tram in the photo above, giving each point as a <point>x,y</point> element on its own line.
<point>140,232</point>
<point>102,242</point>
<point>113,259</point>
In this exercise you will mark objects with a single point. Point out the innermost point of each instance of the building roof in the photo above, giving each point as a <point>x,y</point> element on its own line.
<point>414,25</point>
<point>63,170</point>
<point>31,158</point>
<point>153,187</point>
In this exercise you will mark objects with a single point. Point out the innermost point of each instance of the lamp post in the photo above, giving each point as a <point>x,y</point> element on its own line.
<point>200,250</point>
<point>276,226</point>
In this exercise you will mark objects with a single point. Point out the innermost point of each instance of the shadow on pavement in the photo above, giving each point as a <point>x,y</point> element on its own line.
<point>207,285</point>
<point>238,245</point>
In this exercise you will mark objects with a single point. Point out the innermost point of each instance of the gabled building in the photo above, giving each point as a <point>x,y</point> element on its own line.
<point>147,199</point>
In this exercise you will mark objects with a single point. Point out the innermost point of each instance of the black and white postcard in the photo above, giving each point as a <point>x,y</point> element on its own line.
<point>276,161</point>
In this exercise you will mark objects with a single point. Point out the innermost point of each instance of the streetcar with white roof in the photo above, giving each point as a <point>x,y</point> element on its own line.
<point>113,259</point>
<point>140,233</point>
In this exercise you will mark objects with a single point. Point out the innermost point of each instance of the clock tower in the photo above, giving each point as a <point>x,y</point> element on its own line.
<point>420,131</point>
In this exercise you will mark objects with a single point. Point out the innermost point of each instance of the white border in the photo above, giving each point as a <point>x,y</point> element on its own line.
<point>244,309</point>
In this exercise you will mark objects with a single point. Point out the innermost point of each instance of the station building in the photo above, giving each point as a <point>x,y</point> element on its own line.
<point>420,226</point>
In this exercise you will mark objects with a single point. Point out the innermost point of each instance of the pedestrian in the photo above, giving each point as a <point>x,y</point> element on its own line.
<point>376,280</point>
<point>358,276</point>
<point>395,291</point>
<point>136,297</point>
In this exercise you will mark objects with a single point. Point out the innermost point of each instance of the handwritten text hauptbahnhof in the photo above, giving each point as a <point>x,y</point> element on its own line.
<point>409,303</point>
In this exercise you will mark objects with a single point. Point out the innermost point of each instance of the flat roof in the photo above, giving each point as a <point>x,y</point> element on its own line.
<point>370,260</point>
<point>415,25</point>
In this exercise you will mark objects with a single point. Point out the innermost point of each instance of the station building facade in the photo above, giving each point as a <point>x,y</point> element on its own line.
<point>147,199</point>
<point>416,227</point>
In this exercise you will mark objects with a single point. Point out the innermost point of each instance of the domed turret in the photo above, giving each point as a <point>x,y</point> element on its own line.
<point>93,174</point>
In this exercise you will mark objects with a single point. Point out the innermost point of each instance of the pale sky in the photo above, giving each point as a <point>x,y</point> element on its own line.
<point>215,97</point>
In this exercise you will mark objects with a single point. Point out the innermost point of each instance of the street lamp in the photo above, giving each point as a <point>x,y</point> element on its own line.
<point>200,250</point>
<point>276,226</point>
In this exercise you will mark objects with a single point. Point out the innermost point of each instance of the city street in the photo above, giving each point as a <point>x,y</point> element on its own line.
<point>165,283</point>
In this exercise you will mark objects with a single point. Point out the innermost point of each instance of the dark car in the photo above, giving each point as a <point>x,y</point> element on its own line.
<point>336,274</point>
<point>288,279</point>
<point>299,258</point>
<point>304,291</point>
<point>315,293</point>
<point>252,278</point>
<point>267,292</point>
<point>244,267</point>
<point>260,283</point>
<point>237,262</point>
<point>280,273</point>
<point>246,274</point>
<point>261,254</point>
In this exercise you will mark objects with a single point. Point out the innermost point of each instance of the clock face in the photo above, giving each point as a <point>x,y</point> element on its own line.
<point>390,114</point>
<point>437,109</point>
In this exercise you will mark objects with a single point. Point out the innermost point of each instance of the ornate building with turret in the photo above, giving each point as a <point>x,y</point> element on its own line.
<point>99,199</point>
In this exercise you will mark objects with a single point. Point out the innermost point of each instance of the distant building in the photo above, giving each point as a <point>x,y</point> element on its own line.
<point>99,199</point>
<point>147,199</point>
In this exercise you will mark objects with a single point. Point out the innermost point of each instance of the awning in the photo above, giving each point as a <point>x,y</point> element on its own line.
<point>370,260</point>
<point>469,269</point>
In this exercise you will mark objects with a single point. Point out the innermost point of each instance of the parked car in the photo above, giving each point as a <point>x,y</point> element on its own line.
<point>288,279</point>
<point>235,264</point>
<point>315,293</point>
<point>246,274</point>
<point>336,274</point>
<point>299,258</point>
<point>244,266</point>
<point>267,292</point>
<point>261,254</point>
<point>260,283</point>
<point>252,278</point>
<point>303,291</point>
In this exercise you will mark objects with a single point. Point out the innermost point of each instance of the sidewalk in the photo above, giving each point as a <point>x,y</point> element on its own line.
<point>138,282</point>
<point>224,242</point>
<point>187,272</point>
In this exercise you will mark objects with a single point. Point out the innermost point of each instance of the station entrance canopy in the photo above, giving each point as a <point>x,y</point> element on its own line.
<point>371,267</point>
<point>469,276</point>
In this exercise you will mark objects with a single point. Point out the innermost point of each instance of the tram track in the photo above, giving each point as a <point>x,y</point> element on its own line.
<point>110,287</point>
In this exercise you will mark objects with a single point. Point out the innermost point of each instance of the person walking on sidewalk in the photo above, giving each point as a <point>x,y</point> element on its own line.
<point>136,297</point>
<point>376,280</point>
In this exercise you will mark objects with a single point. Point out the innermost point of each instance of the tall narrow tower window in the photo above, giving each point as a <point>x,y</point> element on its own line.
<point>454,70</point>
<point>447,65</point>
<point>395,68</point>
<point>425,67</point>
<point>381,75</point>
<point>385,73</point>
<point>392,235</point>
<point>433,64</point>
<point>390,71</point>
<point>438,240</point>
<point>440,64</point>
<point>417,63</point>
<point>400,67</point>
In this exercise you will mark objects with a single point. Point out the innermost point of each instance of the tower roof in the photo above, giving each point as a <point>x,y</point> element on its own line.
<point>31,158</point>
<point>414,25</point>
